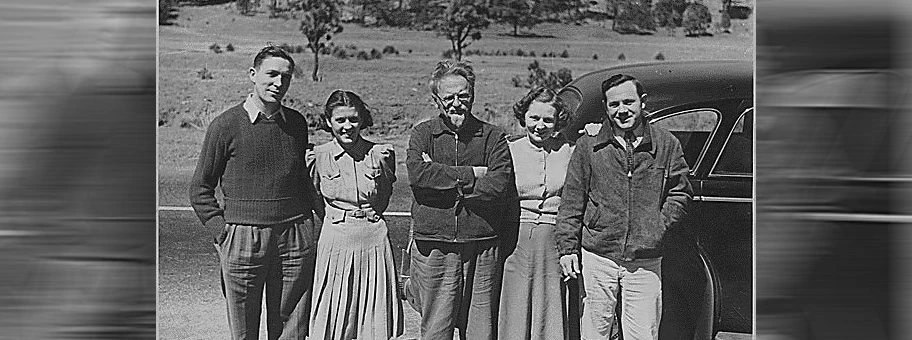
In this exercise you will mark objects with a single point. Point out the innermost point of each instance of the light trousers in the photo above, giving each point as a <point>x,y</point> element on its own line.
<point>639,286</point>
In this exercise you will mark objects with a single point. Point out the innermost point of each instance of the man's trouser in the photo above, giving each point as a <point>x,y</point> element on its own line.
<point>456,285</point>
<point>279,258</point>
<point>638,284</point>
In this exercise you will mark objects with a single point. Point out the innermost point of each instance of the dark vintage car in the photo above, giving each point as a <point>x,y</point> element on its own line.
<point>707,269</point>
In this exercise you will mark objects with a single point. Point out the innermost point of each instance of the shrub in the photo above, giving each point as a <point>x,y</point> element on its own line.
<point>622,57</point>
<point>375,54</point>
<point>215,48</point>
<point>165,11</point>
<point>229,48</point>
<point>725,22</point>
<point>696,19</point>
<point>532,54</point>
<point>595,57</point>
<point>634,17</point>
<point>668,13</point>
<point>362,55</point>
<point>520,52</point>
<point>540,77</point>
<point>565,54</point>
<point>390,50</point>
<point>739,12</point>
<point>518,81</point>
<point>660,56</point>
<point>205,74</point>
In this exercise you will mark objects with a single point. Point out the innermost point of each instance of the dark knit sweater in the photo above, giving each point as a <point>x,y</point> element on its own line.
<point>260,166</point>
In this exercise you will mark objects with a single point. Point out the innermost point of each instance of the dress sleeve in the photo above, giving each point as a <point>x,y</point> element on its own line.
<point>385,157</point>
<point>311,160</point>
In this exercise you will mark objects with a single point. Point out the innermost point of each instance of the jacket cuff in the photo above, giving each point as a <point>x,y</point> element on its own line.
<point>216,222</point>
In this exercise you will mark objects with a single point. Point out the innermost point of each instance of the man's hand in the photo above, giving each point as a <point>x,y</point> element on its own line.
<point>425,157</point>
<point>591,129</point>
<point>570,266</point>
<point>479,171</point>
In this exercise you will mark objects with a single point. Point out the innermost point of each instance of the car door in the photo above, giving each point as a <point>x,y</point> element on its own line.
<point>717,233</point>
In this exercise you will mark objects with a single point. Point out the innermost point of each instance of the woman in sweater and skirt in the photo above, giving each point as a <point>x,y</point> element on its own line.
<point>533,289</point>
<point>354,293</point>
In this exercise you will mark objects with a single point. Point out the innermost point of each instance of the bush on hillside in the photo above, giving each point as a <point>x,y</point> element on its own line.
<point>697,19</point>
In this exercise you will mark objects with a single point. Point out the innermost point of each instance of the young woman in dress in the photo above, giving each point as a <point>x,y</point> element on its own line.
<point>531,302</point>
<point>354,293</point>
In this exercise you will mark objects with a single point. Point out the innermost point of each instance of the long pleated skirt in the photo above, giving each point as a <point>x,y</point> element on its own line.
<point>532,304</point>
<point>354,293</point>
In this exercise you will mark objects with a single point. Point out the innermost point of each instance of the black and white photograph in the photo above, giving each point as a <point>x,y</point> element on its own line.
<point>497,169</point>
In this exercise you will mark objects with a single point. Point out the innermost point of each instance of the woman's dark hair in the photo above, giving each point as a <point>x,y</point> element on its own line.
<point>341,98</point>
<point>542,95</point>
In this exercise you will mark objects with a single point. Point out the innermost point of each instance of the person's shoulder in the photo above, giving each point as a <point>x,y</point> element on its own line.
<point>426,124</point>
<point>513,139</point>
<point>228,118</point>
<point>662,134</point>
<point>325,147</point>
<point>494,130</point>
<point>294,116</point>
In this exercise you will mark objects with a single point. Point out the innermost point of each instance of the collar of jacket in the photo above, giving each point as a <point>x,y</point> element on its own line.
<point>606,136</point>
<point>471,125</point>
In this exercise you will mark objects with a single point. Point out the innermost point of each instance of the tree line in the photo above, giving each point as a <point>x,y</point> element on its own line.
<point>461,21</point>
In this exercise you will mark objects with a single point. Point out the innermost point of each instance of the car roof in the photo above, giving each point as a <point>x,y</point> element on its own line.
<point>667,84</point>
<point>673,83</point>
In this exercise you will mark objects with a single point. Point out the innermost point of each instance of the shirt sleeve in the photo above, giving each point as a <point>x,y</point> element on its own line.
<point>574,197</point>
<point>386,158</point>
<point>310,158</point>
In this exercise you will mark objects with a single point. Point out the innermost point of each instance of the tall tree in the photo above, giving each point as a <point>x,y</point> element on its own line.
<point>460,21</point>
<point>517,13</point>
<point>319,20</point>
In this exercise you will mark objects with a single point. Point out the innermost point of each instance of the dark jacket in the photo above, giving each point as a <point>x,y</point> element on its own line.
<point>617,212</point>
<point>450,204</point>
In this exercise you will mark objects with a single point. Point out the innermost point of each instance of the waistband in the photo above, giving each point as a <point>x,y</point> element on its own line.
<point>338,215</point>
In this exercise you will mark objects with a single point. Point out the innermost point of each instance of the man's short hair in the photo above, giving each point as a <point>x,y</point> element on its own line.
<point>270,52</point>
<point>449,68</point>
<point>619,79</point>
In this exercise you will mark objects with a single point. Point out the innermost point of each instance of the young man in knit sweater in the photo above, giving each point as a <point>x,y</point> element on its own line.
<point>265,232</point>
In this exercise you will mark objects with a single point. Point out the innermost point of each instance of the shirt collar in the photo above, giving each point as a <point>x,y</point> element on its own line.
<point>361,147</point>
<point>253,112</point>
<point>471,124</point>
<point>606,134</point>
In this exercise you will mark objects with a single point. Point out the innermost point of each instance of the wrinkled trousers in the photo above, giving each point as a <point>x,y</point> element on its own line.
<point>456,286</point>
<point>279,259</point>
<point>638,284</point>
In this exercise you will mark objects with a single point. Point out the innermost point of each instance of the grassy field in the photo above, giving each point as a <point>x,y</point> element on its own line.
<point>190,303</point>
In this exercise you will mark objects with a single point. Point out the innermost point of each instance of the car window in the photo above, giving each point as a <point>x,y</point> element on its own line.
<point>693,128</point>
<point>737,156</point>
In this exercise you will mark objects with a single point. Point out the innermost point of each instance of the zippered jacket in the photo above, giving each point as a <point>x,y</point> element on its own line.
<point>620,207</point>
<point>451,205</point>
